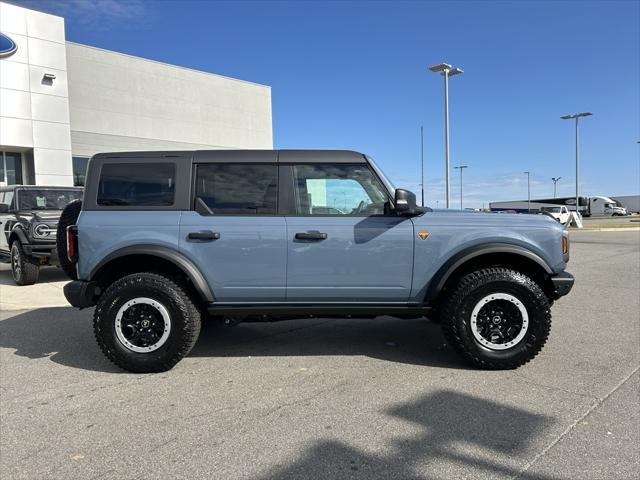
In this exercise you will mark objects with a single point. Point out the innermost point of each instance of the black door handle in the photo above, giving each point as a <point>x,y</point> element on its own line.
<point>204,235</point>
<point>313,235</point>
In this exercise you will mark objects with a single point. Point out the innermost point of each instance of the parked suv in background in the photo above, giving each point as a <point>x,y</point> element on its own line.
<point>28,218</point>
<point>165,238</point>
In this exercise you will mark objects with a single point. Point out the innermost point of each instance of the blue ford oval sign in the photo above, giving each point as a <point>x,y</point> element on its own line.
<point>7,45</point>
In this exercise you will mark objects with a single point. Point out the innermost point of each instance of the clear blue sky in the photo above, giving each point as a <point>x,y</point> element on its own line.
<point>353,75</point>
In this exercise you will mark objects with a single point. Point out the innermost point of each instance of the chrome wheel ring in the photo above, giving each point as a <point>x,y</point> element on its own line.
<point>143,325</point>
<point>499,321</point>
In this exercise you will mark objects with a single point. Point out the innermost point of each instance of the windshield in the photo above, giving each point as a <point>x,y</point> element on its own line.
<point>552,209</point>
<point>46,199</point>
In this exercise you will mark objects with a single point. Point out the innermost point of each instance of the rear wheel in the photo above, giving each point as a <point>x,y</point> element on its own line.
<point>25,269</point>
<point>497,318</point>
<point>146,323</point>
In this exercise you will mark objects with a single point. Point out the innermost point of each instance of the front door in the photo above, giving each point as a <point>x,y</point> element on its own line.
<point>233,233</point>
<point>342,247</point>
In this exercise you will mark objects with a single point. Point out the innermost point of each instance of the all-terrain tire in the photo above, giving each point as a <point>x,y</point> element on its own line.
<point>184,322</point>
<point>25,269</point>
<point>68,217</point>
<point>456,317</point>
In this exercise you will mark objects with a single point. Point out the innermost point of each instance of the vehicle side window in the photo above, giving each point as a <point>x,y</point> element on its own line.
<point>335,189</point>
<point>137,184</point>
<point>238,189</point>
<point>8,199</point>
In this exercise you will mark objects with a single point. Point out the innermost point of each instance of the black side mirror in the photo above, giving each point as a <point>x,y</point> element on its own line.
<point>4,208</point>
<point>405,202</point>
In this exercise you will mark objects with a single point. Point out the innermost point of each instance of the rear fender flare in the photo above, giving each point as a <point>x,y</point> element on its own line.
<point>166,253</point>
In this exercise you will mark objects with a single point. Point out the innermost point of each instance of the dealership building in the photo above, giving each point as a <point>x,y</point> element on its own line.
<point>62,102</point>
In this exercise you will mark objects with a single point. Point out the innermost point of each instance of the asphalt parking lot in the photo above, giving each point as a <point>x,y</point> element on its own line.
<point>332,399</point>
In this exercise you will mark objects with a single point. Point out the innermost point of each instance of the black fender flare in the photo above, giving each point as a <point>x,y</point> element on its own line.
<point>166,253</point>
<point>18,232</point>
<point>450,266</point>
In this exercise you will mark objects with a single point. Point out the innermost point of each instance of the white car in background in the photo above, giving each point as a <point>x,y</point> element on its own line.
<point>560,213</point>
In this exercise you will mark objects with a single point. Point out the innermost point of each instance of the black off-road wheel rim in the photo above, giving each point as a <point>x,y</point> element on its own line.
<point>499,321</point>
<point>16,264</point>
<point>143,325</point>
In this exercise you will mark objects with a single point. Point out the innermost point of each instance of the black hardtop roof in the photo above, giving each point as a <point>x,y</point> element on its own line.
<point>247,156</point>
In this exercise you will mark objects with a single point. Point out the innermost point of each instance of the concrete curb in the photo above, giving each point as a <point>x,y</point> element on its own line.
<point>621,229</point>
<point>13,307</point>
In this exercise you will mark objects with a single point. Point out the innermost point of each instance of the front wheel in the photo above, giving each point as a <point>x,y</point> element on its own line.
<point>497,318</point>
<point>146,323</point>
<point>25,269</point>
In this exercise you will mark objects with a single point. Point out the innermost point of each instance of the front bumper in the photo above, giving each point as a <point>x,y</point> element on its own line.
<point>562,284</point>
<point>47,251</point>
<point>81,294</point>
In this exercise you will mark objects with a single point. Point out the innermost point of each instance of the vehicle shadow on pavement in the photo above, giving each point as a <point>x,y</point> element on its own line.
<point>453,434</point>
<point>410,341</point>
<point>62,334</point>
<point>65,336</point>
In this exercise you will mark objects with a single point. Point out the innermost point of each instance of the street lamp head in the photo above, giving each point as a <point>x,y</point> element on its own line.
<point>576,115</point>
<point>462,166</point>
<point>455,71</point>
<point>439,67</point>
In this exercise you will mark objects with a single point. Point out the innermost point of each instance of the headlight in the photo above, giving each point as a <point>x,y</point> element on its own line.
<point>42,230</point>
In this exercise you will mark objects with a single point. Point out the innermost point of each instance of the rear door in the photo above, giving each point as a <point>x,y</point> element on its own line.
<point>342,246</point>
<point>234,233</point>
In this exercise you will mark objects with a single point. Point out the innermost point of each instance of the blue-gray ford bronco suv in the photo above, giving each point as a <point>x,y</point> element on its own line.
<point>164,240</point>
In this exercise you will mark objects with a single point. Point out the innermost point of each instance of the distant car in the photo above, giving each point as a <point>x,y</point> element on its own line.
<point>29,218</point>
<point>560,213</point>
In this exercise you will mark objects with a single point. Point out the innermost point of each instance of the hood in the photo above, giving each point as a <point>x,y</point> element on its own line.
<point>488,219</point>
<point>45,216</point>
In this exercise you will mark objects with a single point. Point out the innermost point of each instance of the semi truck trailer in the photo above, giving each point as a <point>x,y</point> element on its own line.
<point>587,206</point>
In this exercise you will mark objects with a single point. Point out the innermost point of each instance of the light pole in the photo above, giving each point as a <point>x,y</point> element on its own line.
<point>577,117</point>
<point>528,192</point>
<point>461,167</point>
<point>446,71</point>
<point>422,162</point>
<point>555,180</point>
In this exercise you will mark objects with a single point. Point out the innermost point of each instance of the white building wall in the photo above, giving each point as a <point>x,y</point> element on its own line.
<point>34,113</point>
<point>118,102</point>
<point>104,101</point>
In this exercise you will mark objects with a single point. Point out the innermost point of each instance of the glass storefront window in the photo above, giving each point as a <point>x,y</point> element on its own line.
<point>10,168</point>
<point>79,170</point>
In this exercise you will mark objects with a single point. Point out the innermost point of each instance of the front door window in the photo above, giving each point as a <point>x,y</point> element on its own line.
<point>334,189</point>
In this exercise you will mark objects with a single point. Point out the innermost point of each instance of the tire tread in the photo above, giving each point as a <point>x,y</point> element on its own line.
<point>188,309</point>
<point>454,327</point>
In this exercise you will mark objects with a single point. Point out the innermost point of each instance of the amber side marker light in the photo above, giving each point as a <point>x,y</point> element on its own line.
<point>565,245</point>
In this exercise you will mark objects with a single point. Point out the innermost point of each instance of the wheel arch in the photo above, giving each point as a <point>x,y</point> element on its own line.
<point>152,258</point>
<point>17,232</point>
<point>496,254</point>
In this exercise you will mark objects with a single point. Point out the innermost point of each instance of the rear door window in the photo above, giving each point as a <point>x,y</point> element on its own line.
<point>238,189</point>
<point>137,184</point>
